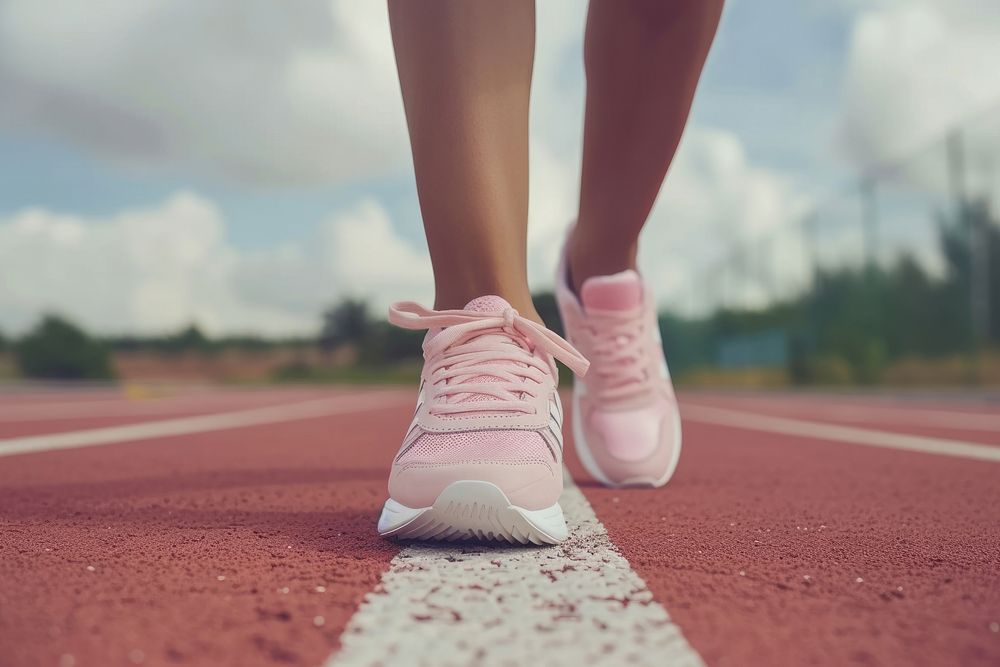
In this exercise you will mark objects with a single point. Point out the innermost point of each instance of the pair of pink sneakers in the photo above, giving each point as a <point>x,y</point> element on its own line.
<point>483,456</point>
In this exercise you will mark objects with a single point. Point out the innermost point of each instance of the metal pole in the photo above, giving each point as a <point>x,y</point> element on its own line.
<point>809,241</point>
<point>979,270</point>
<point>967,218</point>
<point>869,221</point>
<point>974,217</point>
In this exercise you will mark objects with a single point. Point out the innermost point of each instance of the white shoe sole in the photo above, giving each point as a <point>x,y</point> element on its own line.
<point>473,510</point>
<point>590,464</point>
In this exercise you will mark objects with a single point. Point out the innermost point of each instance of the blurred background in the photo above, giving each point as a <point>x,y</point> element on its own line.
<point>222,191</point>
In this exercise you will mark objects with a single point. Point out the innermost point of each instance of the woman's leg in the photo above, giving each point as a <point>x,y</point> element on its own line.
<point>465,71</point>
<point>643,59</point>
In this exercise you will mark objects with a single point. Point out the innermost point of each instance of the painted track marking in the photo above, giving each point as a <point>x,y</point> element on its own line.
<point>320,407</point>
<point>915,416</point>
<point>116,407</point>
<point>578,603</point>
<point>850,434</point>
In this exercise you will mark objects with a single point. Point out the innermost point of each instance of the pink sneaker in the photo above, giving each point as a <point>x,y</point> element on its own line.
<point>626,424</point>
<point>483,456</point>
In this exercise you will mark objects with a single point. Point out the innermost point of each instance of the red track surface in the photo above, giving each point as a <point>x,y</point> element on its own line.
<point>113,554</point>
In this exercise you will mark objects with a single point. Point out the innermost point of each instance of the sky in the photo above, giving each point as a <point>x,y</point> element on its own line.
<point>243,164</point>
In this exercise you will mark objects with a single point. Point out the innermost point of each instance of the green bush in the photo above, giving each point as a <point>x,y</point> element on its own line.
<point>346,322</point>
<point>58,349</point>
<point>385,344</point>
<point>831,370</point>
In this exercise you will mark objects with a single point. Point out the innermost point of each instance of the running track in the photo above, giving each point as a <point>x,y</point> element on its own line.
<point>225,527</point>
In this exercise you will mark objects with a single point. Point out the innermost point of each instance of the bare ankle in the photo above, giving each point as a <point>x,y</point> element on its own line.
<point>589,257</point>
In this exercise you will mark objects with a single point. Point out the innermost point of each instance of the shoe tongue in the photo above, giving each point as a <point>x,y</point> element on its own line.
<point>487,304</point>
<point>482,304</point>
<point>619,291</point>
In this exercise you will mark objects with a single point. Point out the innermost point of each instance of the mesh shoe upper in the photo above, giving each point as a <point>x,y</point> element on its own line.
<point>488,407</point>
<point>626,420</point>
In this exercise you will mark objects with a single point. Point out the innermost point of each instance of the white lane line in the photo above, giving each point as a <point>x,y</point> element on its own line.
<point>118,407</point>
<point>915,416</point>
<point>320,407</point>
<point>578,603</point>
<point>851,434</point>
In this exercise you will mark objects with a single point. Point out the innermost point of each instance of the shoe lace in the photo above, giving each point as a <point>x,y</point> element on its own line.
<point>617,346</point>
<point>472,363</point>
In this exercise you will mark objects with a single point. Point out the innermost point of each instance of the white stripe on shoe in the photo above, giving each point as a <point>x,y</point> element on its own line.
<point>578,603</point>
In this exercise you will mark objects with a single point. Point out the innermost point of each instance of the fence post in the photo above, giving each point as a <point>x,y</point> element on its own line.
<point>976,239</point>
<point>869,221</point>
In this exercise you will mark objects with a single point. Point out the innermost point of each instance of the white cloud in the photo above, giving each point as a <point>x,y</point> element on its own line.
<point>300,93</point>
<point>254,91</point>
<point>159,268</point>
<point>915,70</point>
<point>714,202</point>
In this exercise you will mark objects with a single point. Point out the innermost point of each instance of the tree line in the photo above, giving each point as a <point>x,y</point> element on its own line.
<point>858,320</point>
